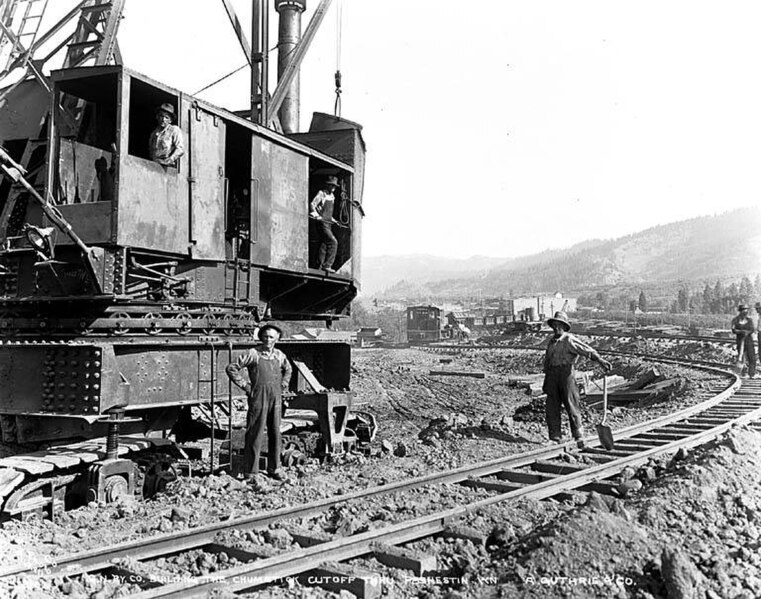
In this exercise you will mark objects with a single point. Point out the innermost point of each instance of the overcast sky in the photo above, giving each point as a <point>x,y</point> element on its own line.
<point>504,128</point>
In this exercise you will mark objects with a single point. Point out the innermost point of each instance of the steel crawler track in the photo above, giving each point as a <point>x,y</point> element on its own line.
<point>63,463</point>
<point>536,474</point>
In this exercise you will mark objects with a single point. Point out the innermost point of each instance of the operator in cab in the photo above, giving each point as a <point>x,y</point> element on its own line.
<point>321,208</point>
<point>166,144</point>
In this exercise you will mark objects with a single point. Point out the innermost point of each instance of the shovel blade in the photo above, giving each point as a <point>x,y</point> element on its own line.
<point>606,436</point>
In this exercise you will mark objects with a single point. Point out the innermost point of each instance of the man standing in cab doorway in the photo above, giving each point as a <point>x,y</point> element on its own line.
<point>563,351</point>
<point>269,373</point>
<point>322,208</point>
<point>165,144</point>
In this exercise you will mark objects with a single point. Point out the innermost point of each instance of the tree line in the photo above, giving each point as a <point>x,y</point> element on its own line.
<point>717,298</point>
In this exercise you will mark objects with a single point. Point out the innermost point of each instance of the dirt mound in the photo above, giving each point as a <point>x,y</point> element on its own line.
<point>695,533</point>
<point>582,551</point>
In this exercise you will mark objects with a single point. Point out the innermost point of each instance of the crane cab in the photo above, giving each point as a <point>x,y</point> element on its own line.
<point>227,223</point>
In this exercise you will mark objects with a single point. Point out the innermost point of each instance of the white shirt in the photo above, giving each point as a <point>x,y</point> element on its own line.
<point>322,205</point>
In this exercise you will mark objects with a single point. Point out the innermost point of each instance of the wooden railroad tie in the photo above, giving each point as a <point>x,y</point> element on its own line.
<point>466,533</point>
<point>475,375</point>
<point>389,555</point>
<point>337,577</point>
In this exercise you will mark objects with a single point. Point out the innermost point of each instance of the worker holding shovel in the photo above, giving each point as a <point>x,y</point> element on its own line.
<point>563,351</point>
<point>758,326</point>
<point>743,327</point>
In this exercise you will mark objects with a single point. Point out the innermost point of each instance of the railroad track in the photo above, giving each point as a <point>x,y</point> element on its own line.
<point>537,474</point>
<point>600,332</point>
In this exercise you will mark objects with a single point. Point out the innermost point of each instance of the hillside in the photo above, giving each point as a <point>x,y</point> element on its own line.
<point>700,249</point>
<point>379,273</point>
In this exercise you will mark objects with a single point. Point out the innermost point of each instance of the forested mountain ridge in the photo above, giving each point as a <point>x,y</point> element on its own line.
<point>699,249</point>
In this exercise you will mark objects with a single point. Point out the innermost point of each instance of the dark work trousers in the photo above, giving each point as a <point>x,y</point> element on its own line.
<point>328,246</point>
<point>749,354</point>
<point>560,387</point>
<point>264,408</point>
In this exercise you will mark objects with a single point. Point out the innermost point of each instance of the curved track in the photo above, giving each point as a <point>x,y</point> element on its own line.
<point>536,474</point>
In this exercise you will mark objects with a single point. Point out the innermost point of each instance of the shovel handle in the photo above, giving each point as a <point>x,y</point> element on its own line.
<point>604,399</point>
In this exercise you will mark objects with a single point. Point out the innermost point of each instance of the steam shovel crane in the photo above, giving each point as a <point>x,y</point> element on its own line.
<point>127,286</point>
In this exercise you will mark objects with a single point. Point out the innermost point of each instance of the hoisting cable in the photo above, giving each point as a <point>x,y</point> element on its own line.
<point>344,207</point>
<point>230,74</point>
<point>337,76</point>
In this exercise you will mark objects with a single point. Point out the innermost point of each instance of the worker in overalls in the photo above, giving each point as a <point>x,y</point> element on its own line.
<point>563,351</point>
<point>269,373</point>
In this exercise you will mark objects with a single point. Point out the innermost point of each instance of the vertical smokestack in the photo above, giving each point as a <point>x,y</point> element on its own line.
<point>289,35</point>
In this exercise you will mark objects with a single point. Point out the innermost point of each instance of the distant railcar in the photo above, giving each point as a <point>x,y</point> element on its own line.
<point>480,321</point>
<point>424,324</point>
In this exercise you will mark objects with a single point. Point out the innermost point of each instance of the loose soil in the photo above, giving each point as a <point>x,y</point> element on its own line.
<point>692,532</point>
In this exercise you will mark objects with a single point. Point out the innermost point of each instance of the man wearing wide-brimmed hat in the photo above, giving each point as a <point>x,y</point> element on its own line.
<point>563,351</point>
<point>321,208</point>
<point>165,144</point>
<point>269,373</point>
<point>743,327</point>
<point>758,327</point>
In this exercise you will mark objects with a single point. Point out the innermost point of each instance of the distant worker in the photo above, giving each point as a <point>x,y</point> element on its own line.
<point>165,143</point>
<point>563,351</point>
<point>744,328</point>
<point>269,374</point>
<point>322,208</point>
<point>758,327</point>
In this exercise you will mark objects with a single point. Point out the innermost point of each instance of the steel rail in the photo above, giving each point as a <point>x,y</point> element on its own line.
<point>614,352</point>
<point>150,548</point>
<point>145,549</point>
<point>266,570</point>
<point>185,540</point>
<point>654,335</point>
<point>630,334</point>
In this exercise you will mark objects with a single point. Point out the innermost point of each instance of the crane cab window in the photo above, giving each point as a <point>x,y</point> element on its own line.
<point>86,138</point>
<point>144,100</point>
